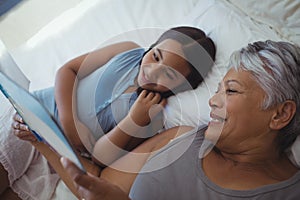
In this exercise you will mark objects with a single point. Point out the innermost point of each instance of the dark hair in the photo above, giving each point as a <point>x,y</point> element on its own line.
<point>199,51</point>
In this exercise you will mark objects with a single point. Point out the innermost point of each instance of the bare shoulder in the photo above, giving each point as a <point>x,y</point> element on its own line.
<point>122,46</point>
<point>130,44</point>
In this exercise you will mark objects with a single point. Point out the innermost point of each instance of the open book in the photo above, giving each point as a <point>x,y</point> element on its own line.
<point>39,120</point>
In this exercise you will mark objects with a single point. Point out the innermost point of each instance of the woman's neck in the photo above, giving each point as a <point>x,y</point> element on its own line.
<point>252,156</point>
<point>244,172</point>
<point>271,162</point>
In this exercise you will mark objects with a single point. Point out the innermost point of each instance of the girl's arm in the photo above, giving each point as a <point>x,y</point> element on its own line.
<point>114,144</point>
<point>65,86</point>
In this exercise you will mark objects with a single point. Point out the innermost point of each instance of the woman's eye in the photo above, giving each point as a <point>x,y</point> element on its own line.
<point>230,91</point>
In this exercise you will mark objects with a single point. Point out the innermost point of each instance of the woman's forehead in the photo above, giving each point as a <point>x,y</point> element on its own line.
<point>242,77</point>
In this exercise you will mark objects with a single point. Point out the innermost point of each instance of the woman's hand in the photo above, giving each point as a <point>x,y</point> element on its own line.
<point>91,187</point>
<point>21,130</point>
<point>147,106</point>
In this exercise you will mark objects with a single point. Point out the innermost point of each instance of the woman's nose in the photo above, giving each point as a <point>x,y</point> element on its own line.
<point>217,100</point>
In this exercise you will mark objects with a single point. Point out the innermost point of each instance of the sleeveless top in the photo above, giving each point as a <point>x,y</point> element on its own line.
<point>101,101</point>
<point>176,173</point>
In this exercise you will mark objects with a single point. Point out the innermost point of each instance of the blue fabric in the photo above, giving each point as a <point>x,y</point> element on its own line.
<point>111,104</point>
<point>110,116</point>
<point>117,77</point>
<point>6,5</point>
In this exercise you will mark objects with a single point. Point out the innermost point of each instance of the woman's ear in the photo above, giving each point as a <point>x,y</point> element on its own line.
<point>284,114</point>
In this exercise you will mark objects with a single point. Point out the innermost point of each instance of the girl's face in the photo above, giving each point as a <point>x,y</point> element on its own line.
<point>163,67</point>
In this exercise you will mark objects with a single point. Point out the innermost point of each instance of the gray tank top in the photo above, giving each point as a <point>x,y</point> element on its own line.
<point>175,173</point>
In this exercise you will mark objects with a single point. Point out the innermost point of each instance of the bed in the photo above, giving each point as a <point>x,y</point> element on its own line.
<point>232,24</point>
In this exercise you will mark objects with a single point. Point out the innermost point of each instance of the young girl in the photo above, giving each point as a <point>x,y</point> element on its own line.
<point>177,61</point>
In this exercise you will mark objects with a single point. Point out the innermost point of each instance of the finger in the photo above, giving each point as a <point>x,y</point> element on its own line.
<point>23,134</point>
<point>20,126</point>
<point>143,94</point>
<point>15,125</point>
<point>15,117</point>
<point>18,118</point>
<point>23,127</point>
<point>156,98</point>
<point>16,132</point>
<point>30,138</point>
<point>20,133</point>
<point>150,95</point>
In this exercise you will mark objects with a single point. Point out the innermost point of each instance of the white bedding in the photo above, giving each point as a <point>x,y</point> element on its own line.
<point>230,23</point>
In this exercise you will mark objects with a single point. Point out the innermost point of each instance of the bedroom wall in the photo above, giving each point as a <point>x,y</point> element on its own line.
<point>28,17</point>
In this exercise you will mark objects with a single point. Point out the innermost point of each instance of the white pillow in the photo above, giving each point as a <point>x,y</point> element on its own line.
<point>191,107</point>
<point>282,15</point>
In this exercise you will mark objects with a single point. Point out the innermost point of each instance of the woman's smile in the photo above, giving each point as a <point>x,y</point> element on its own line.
<point>216,120</point>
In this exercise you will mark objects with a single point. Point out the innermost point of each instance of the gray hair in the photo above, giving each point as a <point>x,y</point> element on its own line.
<point>276,68</point>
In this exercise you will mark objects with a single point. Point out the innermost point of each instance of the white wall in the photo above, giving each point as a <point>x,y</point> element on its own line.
<point>28,17</point>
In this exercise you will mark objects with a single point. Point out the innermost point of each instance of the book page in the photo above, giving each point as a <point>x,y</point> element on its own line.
<point>9,67</point>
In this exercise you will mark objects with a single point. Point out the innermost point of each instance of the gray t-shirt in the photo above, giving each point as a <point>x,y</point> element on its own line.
<point>180,176</point>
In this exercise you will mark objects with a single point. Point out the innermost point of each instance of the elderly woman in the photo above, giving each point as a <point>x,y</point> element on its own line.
<point>240,154</point>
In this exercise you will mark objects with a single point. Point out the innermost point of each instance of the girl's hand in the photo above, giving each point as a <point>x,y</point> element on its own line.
<point>21,130</point>
<point>147,106</point>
